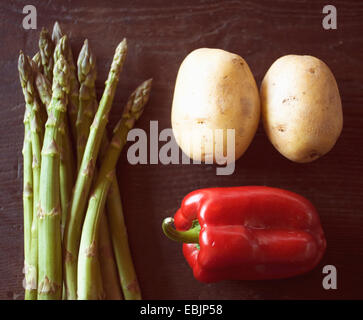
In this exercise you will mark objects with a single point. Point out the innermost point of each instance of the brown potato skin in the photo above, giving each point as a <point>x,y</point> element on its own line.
<point>301,107</point>
<point>214,89</point>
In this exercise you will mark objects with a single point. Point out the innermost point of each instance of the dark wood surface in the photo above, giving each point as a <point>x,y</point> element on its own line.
<point>160,35</point>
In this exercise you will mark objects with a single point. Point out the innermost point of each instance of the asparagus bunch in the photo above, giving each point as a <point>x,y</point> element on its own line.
<point>87,108</point>
<point>61,113</point>
<point>72,234</point>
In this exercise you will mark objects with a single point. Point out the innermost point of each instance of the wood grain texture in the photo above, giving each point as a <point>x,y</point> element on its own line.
<point>160,35</point>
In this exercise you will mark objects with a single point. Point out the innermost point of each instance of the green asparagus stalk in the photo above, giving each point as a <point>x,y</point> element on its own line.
<point>27,198</point>
<point>50,254</point>
<point>32,105</point>
<point>46,48</point>
<point>87,97</point>
<point>67,167</point>
<point>110,280</point>
<point>88,262</point>
<point>57,33</point>
<point>85,175</point>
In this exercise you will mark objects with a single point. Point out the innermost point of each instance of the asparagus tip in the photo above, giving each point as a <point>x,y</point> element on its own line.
<point>23,63</point>
<point>61,47</point>
<point>21,58</point>
<point>44,31</point>
<point>57,32</point>
<point>122,46</point>
<point>61,74</point>
<point>84,51</point>
<point>86,63</point>
<point>136,103</point>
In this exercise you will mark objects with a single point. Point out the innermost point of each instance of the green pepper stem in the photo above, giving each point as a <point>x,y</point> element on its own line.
<point>189,236</point>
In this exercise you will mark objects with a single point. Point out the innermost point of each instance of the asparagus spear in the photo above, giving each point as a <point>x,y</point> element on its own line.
<point>87,97</point>
<point>85,175</point>
<point>88,263</point>
<point>27,198</point>
<point>50,255</point>
<point>57,33</point>
<point>46,47</point>
<point>32,105</point>
<point>67,167</point>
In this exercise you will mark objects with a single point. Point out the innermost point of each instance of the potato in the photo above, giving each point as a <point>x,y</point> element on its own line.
<point>214,89</point>
<point>301,107</point>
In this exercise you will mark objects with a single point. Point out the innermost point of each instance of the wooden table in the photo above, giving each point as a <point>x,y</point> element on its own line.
<point>160,34</point>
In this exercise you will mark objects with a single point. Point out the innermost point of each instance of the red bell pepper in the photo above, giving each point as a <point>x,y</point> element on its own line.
<point>247,233</point>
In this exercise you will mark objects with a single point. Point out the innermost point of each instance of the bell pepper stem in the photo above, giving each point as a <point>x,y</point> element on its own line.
<point>189,236</point>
